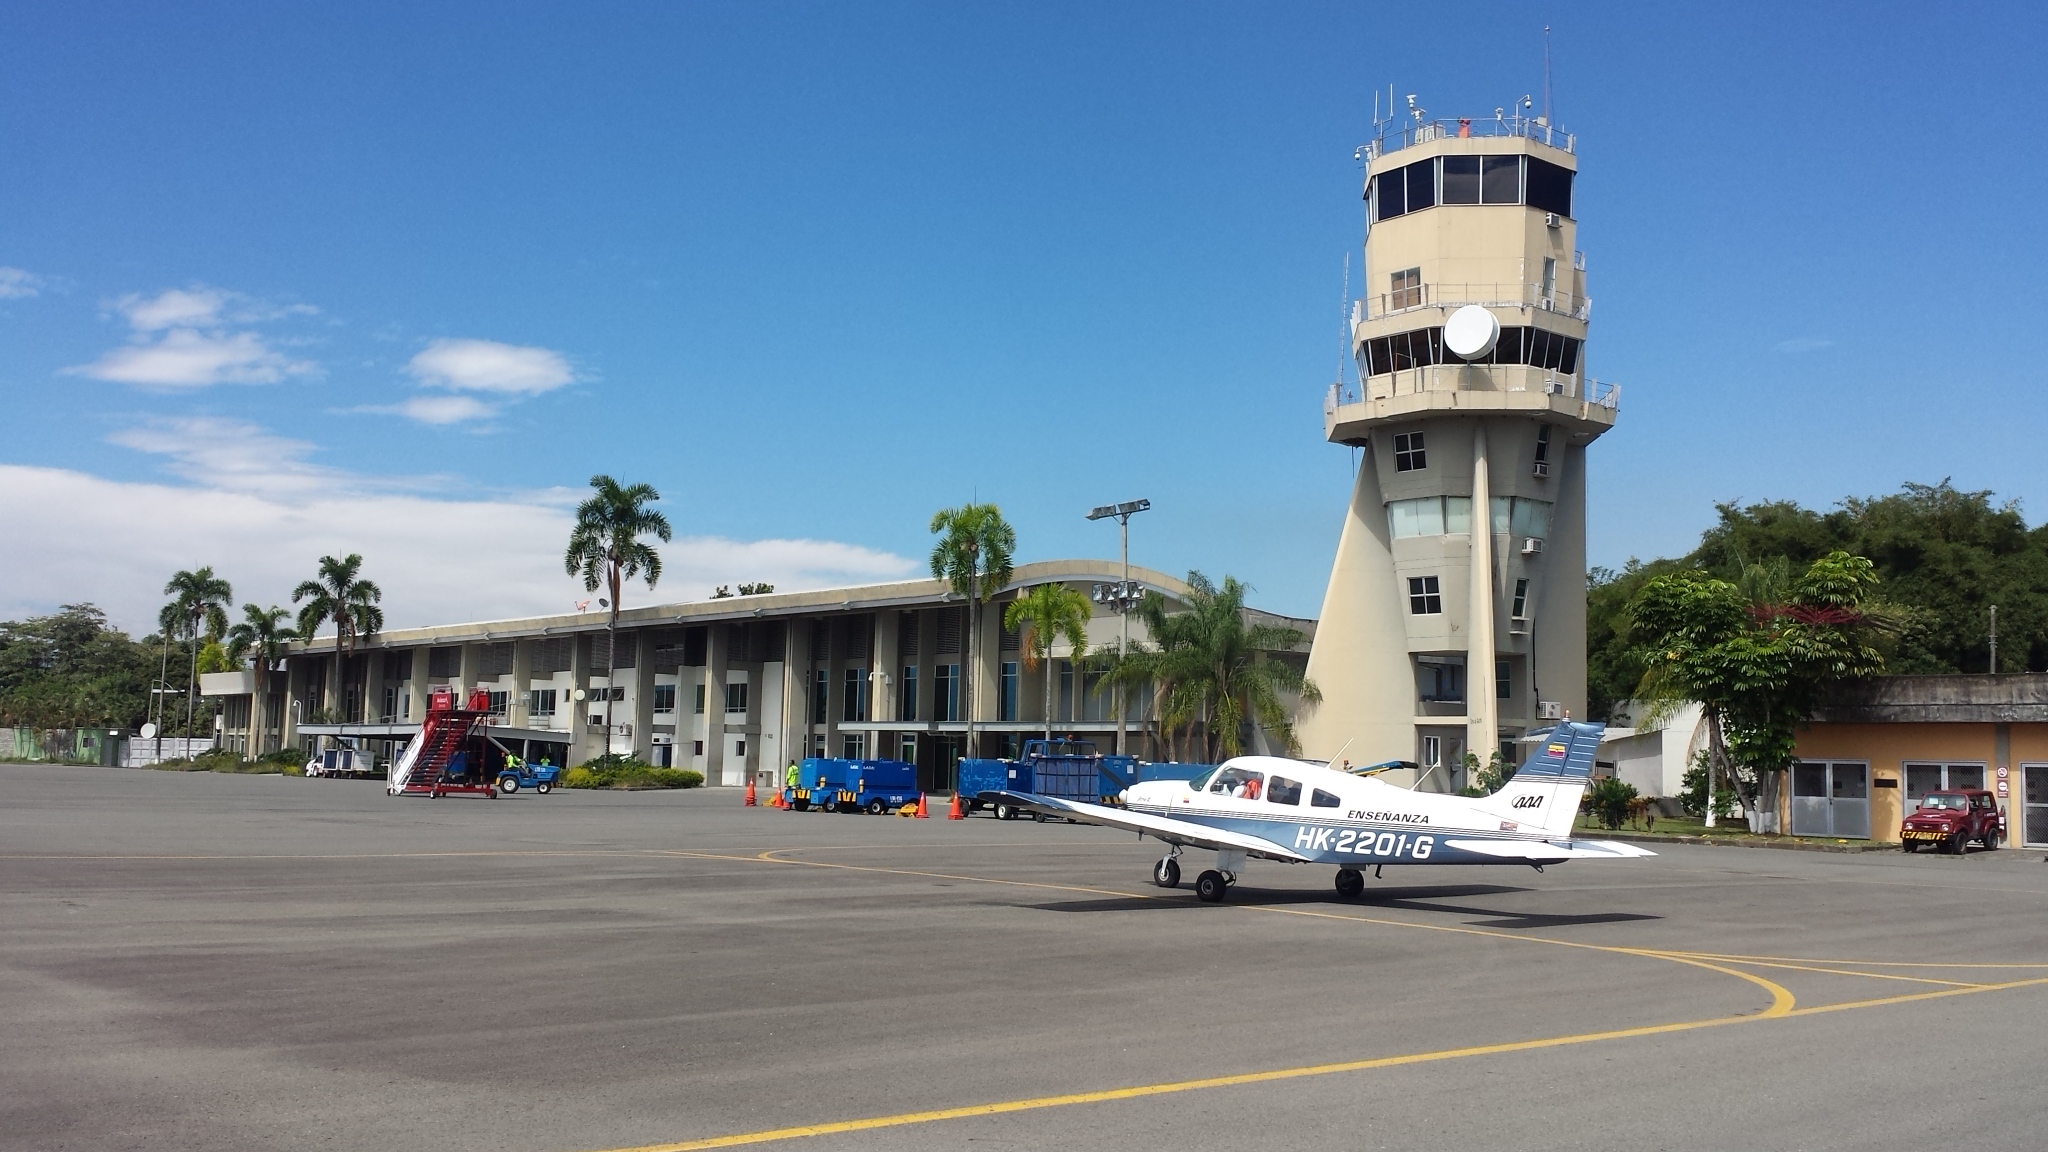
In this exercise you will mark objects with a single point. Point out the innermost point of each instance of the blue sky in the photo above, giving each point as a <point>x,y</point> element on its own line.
<point>398,279</point>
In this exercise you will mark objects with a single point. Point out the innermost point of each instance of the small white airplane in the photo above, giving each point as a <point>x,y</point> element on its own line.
<point>1306,812</point>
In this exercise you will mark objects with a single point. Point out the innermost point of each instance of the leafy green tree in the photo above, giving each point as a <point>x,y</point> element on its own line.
<point>606,549</point>
<point>341,597</point>
<point>1756,655</point>
<point>1046,614</point>
<point>974,555</point>
<point>71,669</point>
<point>198,599</point>
<point>1211,673</point>
<point>261,638</point>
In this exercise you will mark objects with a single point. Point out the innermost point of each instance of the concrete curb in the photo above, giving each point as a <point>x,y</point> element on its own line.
<point>1733,842</point>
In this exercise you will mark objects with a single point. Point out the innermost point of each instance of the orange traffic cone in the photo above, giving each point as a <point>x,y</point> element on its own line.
<point>955,813</point>
<point>751,802</point>
<point>921,813</point>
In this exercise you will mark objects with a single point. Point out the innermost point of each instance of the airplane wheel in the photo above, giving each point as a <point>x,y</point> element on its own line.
<point>1166,873</point>
<point>1350,882</point>
<point>1210,886</point>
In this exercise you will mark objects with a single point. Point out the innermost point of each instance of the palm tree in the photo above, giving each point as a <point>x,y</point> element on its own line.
<point>197,598</point>
<point>1047,613</point>
<point>973,555</point>
<point>605,547</point>
<point>340,597</point>
<point>1208,668</point>
<point>261,634</point>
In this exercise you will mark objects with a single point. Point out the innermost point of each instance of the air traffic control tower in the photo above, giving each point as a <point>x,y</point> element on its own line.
<point>1455,618</point>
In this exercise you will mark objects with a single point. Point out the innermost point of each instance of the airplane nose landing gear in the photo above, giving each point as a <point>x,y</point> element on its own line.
<point>1166,873</point>
<point>1350,883</point>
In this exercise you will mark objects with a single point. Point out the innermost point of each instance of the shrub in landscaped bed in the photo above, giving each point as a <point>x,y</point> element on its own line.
<point>285,763</point>
<point>626,772</point>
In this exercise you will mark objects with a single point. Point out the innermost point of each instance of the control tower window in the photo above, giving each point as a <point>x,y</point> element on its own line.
<point>1521,610</point>
<point>1425,596</point>
<point>1389,195</point>
<point>1421,181</point>
<point>1501,180</point>
<point>1406,288</point>
<point>1408,453</point>
<point>1549,187</point>
<point>1461,179</point>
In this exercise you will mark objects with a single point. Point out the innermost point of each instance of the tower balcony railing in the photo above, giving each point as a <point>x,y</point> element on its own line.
<point>1459,378</point>
<point>1532,296</point>
<point>1408,131</point>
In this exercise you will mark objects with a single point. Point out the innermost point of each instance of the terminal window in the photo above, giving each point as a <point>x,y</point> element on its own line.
<point>1408,453</point>
<point>541,702</point>
<point>664,697</point>
<point>1425,596</point>
<point>736,698</point>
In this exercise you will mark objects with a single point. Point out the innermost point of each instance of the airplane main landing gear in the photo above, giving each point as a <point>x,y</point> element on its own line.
<point>1350,882</point>
<point>1166,873</point>
<point>1211,885</point>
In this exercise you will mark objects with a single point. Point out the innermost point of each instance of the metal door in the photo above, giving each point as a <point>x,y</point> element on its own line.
<point>1831,799</point>
<point>2035,818</point>
<point>1849,801</point>
<point>1809,799</point>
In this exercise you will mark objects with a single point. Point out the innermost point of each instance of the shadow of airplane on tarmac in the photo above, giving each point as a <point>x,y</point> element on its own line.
<point>1418,898</point>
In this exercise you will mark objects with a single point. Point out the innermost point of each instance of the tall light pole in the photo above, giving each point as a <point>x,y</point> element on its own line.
<point>1123,598</point>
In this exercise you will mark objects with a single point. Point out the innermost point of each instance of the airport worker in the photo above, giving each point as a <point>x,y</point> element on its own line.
<point>793,777</point>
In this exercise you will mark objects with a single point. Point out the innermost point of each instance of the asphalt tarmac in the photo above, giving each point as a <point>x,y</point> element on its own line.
<point>203,962</point>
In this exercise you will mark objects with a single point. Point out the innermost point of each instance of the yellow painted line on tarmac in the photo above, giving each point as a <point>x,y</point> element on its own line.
<point>1857,963</point>
<point>1171,1087</point>
<point>1911,997</point>
<point>1855,972</point>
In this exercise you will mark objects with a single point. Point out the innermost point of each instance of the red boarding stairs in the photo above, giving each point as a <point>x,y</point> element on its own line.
<point>423,770</point>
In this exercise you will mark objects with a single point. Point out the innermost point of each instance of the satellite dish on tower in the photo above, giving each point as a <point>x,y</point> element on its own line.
<point>1471,332</point>
<point>148,732</point>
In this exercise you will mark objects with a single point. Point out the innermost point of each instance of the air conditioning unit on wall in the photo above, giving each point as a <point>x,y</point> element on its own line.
<point>1542,469</point>
<point>1549,710</point>
<point>1531,546</point>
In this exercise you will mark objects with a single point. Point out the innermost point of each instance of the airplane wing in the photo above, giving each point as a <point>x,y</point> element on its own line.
<point>1184,832</point>
<point>1544,851</point>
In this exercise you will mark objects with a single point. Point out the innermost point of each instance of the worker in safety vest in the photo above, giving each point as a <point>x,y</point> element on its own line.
<point>513,763</point>
<point>792,777</point>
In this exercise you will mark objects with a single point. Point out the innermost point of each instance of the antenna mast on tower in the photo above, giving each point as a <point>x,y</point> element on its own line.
<point>1546,75</point>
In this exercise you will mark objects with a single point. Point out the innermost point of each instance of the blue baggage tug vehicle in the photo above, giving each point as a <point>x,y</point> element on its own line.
<point>876,787</point>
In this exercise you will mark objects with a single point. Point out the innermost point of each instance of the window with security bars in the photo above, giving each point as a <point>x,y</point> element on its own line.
<point>1425,596</point>
<point>1408,452</point>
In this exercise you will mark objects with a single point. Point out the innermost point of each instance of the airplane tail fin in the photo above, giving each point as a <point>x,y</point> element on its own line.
<point>1544,794</point>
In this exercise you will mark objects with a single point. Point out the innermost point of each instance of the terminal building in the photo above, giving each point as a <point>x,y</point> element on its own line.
<point>734,687</point>
<point>1455,616</point>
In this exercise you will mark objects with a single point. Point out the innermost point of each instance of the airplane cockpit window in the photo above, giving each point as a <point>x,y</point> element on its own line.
<point>1281,790</point>
<point>1323,799</point>
<point>1242,783</point>
<point>1201,782</point>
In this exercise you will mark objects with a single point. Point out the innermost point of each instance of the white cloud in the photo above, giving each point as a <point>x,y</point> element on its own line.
<point>175,308</point>
<point>180,341</point>
<point>262,515</point>
<point>18,283</point>
<point>436,409</point>
<point>488,366</point>
<point>232,455</point>
<point>184,358</point>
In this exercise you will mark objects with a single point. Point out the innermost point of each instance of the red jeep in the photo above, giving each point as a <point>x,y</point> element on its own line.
<point>1951,819</point>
